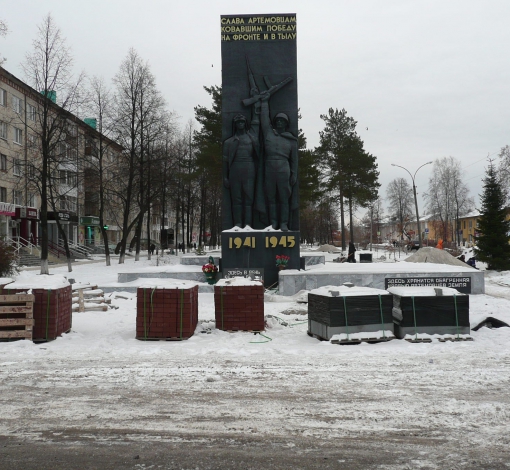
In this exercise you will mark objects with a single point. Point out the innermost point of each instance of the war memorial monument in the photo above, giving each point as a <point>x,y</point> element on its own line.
<point>260,205</point>
<point>260,215</point>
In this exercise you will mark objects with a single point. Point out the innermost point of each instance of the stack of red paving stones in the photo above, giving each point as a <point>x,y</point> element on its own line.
<point>52,305</point>
<point>239,305</point>
<point>167,311</point>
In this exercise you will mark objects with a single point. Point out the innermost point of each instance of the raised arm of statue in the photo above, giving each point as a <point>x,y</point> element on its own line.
<point>264,117</point>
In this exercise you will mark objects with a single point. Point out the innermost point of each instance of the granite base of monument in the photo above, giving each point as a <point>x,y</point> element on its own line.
<point>258,250</point>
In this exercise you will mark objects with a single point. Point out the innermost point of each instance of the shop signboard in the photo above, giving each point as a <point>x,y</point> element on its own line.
<point>7,209</point>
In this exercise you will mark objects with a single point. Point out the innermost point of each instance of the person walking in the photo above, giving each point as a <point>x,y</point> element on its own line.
<point>352,249</point>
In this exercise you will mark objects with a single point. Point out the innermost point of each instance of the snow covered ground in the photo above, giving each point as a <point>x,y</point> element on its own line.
<point>434,406</point>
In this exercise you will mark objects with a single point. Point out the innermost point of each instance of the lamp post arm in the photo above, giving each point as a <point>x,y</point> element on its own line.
<point>415,198</point>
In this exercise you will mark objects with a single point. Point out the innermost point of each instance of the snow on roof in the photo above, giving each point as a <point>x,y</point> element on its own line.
<point>422,291</point>
<point>345,291</point>
<point>5,280</point>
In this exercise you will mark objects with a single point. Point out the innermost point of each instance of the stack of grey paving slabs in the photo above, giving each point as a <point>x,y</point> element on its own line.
<point>350,314</point>
<point>431,310</point>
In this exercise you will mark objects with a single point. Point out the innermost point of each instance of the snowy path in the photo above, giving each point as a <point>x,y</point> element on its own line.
<point>391,405</point>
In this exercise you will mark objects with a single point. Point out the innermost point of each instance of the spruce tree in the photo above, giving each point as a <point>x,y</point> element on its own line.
<point>493,227</point>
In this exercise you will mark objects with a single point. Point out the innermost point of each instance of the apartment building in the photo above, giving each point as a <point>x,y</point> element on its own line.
<point>74,182</point>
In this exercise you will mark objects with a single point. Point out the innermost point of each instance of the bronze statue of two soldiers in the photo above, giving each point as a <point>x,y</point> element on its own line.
<point>260,171</point>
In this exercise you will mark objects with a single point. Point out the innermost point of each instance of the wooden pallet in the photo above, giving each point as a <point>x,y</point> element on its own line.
<point>16,311</point>
<point>378,339</point>
<point>454,338</point>
<point>143,338</point>
<point>89,294</point>
<point>418,340</point>
<point>361,340</point>
<point>245,331</point>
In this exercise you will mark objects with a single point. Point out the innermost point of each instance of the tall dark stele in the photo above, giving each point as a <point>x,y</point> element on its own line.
<point>260,151</point>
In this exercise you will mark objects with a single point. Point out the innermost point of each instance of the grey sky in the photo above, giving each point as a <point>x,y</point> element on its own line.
<point>427,78</point>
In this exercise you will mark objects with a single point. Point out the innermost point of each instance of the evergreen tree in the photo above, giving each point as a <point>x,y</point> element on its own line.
<point>493,227</point>
<point>349,170</point>
<point>208,145</point>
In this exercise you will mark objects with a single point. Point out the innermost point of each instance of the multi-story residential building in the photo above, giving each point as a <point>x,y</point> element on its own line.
<point>74,186</point>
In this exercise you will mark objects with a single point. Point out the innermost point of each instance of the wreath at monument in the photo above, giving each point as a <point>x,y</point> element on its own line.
<point>281,261</point>
<point>210,270</point>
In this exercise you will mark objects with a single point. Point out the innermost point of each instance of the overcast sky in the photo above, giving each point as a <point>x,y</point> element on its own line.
<point>424,78</point>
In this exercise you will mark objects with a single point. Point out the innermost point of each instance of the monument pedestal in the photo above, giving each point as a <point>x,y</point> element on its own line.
<point>255,253</point>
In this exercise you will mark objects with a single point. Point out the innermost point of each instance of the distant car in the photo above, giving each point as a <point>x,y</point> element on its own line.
<point>413,245</point>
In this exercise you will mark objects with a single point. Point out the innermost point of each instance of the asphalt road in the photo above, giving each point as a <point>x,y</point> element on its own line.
<point>253,413</point>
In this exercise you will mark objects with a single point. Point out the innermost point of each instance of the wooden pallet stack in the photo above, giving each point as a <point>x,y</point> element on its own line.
<point>52,309</point>
<point>89,297</point>
<point>16,316</point>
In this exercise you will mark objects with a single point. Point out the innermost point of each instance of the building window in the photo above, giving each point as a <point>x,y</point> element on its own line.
<point>68,203</point>
<point>18,136</point>
<point>72,130</point>
<point>3,162</point>
<point>31,200</point>
<point>32,140</point>
<point>17,197</point>
<point>16,167</point>
<point>31,170</point>
<point>72,203</point>
<point>3,97</point>
<point>31,112</point>
<point>470,224</point>
<point>68,177</point>
<point>3,130</point>
<point>72,154</point>
<point>3,194</point>
<point>17,104</point>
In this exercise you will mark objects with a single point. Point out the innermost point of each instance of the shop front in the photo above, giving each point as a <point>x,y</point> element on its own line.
<point>90,233</point>
<point>27,218</point>
<point>8,226</point>
<point>69,224</point>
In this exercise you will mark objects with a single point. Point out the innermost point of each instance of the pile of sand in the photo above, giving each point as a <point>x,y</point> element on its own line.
<point>329,249</point>
<point>429,254</point>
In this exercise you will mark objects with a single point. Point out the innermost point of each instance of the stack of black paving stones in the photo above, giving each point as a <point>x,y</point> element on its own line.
<point>429,310</point>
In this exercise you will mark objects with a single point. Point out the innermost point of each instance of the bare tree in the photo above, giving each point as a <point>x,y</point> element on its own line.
<point>401,203</point>
<point>448,196</point>
<point>3,32</point>
<point>48,68</point>
<point>137,105</point>
<point>99,174</point>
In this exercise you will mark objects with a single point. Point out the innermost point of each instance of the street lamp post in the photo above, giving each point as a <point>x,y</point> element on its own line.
<point>415,198</point>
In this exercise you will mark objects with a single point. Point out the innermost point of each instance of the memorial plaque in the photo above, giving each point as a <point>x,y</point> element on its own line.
<point>462,284</point>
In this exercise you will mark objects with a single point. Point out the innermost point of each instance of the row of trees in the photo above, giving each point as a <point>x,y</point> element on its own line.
<point>155,172</point>
<point>447,199</point>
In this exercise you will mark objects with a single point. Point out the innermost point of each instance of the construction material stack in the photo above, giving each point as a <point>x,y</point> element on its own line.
<point>166,310</point>
<point>422,312</point>
<point>51,307</point>
<point>239,305</point>
<point>349,314</point>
